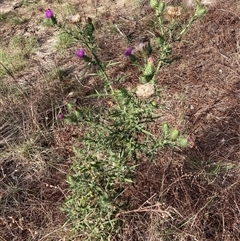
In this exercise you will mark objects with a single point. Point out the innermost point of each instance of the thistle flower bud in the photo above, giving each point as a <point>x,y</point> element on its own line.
<point>69,120</point>
<point>88,29</point>
<point>148,72</point>
<point>174,134</point>
<point>165,129</point>
<point>154,4</point>
<point>161,7</point>
<point>200,11</point>
<point>149,69</point>
<point>183,142</point>
<point>77,113</point>
<point>159,40</point>
<point>70,106</point>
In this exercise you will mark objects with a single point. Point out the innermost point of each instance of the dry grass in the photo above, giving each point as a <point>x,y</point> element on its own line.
<point>186,195</point>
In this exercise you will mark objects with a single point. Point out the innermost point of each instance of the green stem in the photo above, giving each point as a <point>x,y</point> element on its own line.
<point>97,61</point>
<point>161,24</point>
<point>192,20</point>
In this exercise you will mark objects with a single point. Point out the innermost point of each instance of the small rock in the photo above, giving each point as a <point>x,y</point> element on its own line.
<point>74,18</point>
<point>145,91</point>
<point>204,2</point>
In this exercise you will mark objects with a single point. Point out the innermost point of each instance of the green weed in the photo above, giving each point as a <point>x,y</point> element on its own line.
<point>64,41</point>
<point>114,139</point>
<point>3,17</point>
<point>14,57</point>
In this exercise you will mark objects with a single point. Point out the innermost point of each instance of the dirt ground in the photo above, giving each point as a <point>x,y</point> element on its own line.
<point>185,195</point>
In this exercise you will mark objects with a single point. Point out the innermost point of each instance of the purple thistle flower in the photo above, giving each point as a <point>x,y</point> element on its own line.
<point>189,139</point>
<point>80,53</point>
<point>128,52</point>
<point>48,13</point>
<point>60,116</point>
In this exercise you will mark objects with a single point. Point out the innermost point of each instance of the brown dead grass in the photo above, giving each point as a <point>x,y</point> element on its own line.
<point>185,195</point>
<point>194,195</point>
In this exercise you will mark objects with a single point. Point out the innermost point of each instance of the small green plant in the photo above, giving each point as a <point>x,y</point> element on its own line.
<point>3,17</point>
<point>18,20</point>
<point>14,57</point>
<point>64,41</point>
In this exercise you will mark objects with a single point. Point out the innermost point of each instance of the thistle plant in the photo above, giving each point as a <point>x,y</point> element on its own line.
<point>114,139</point>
